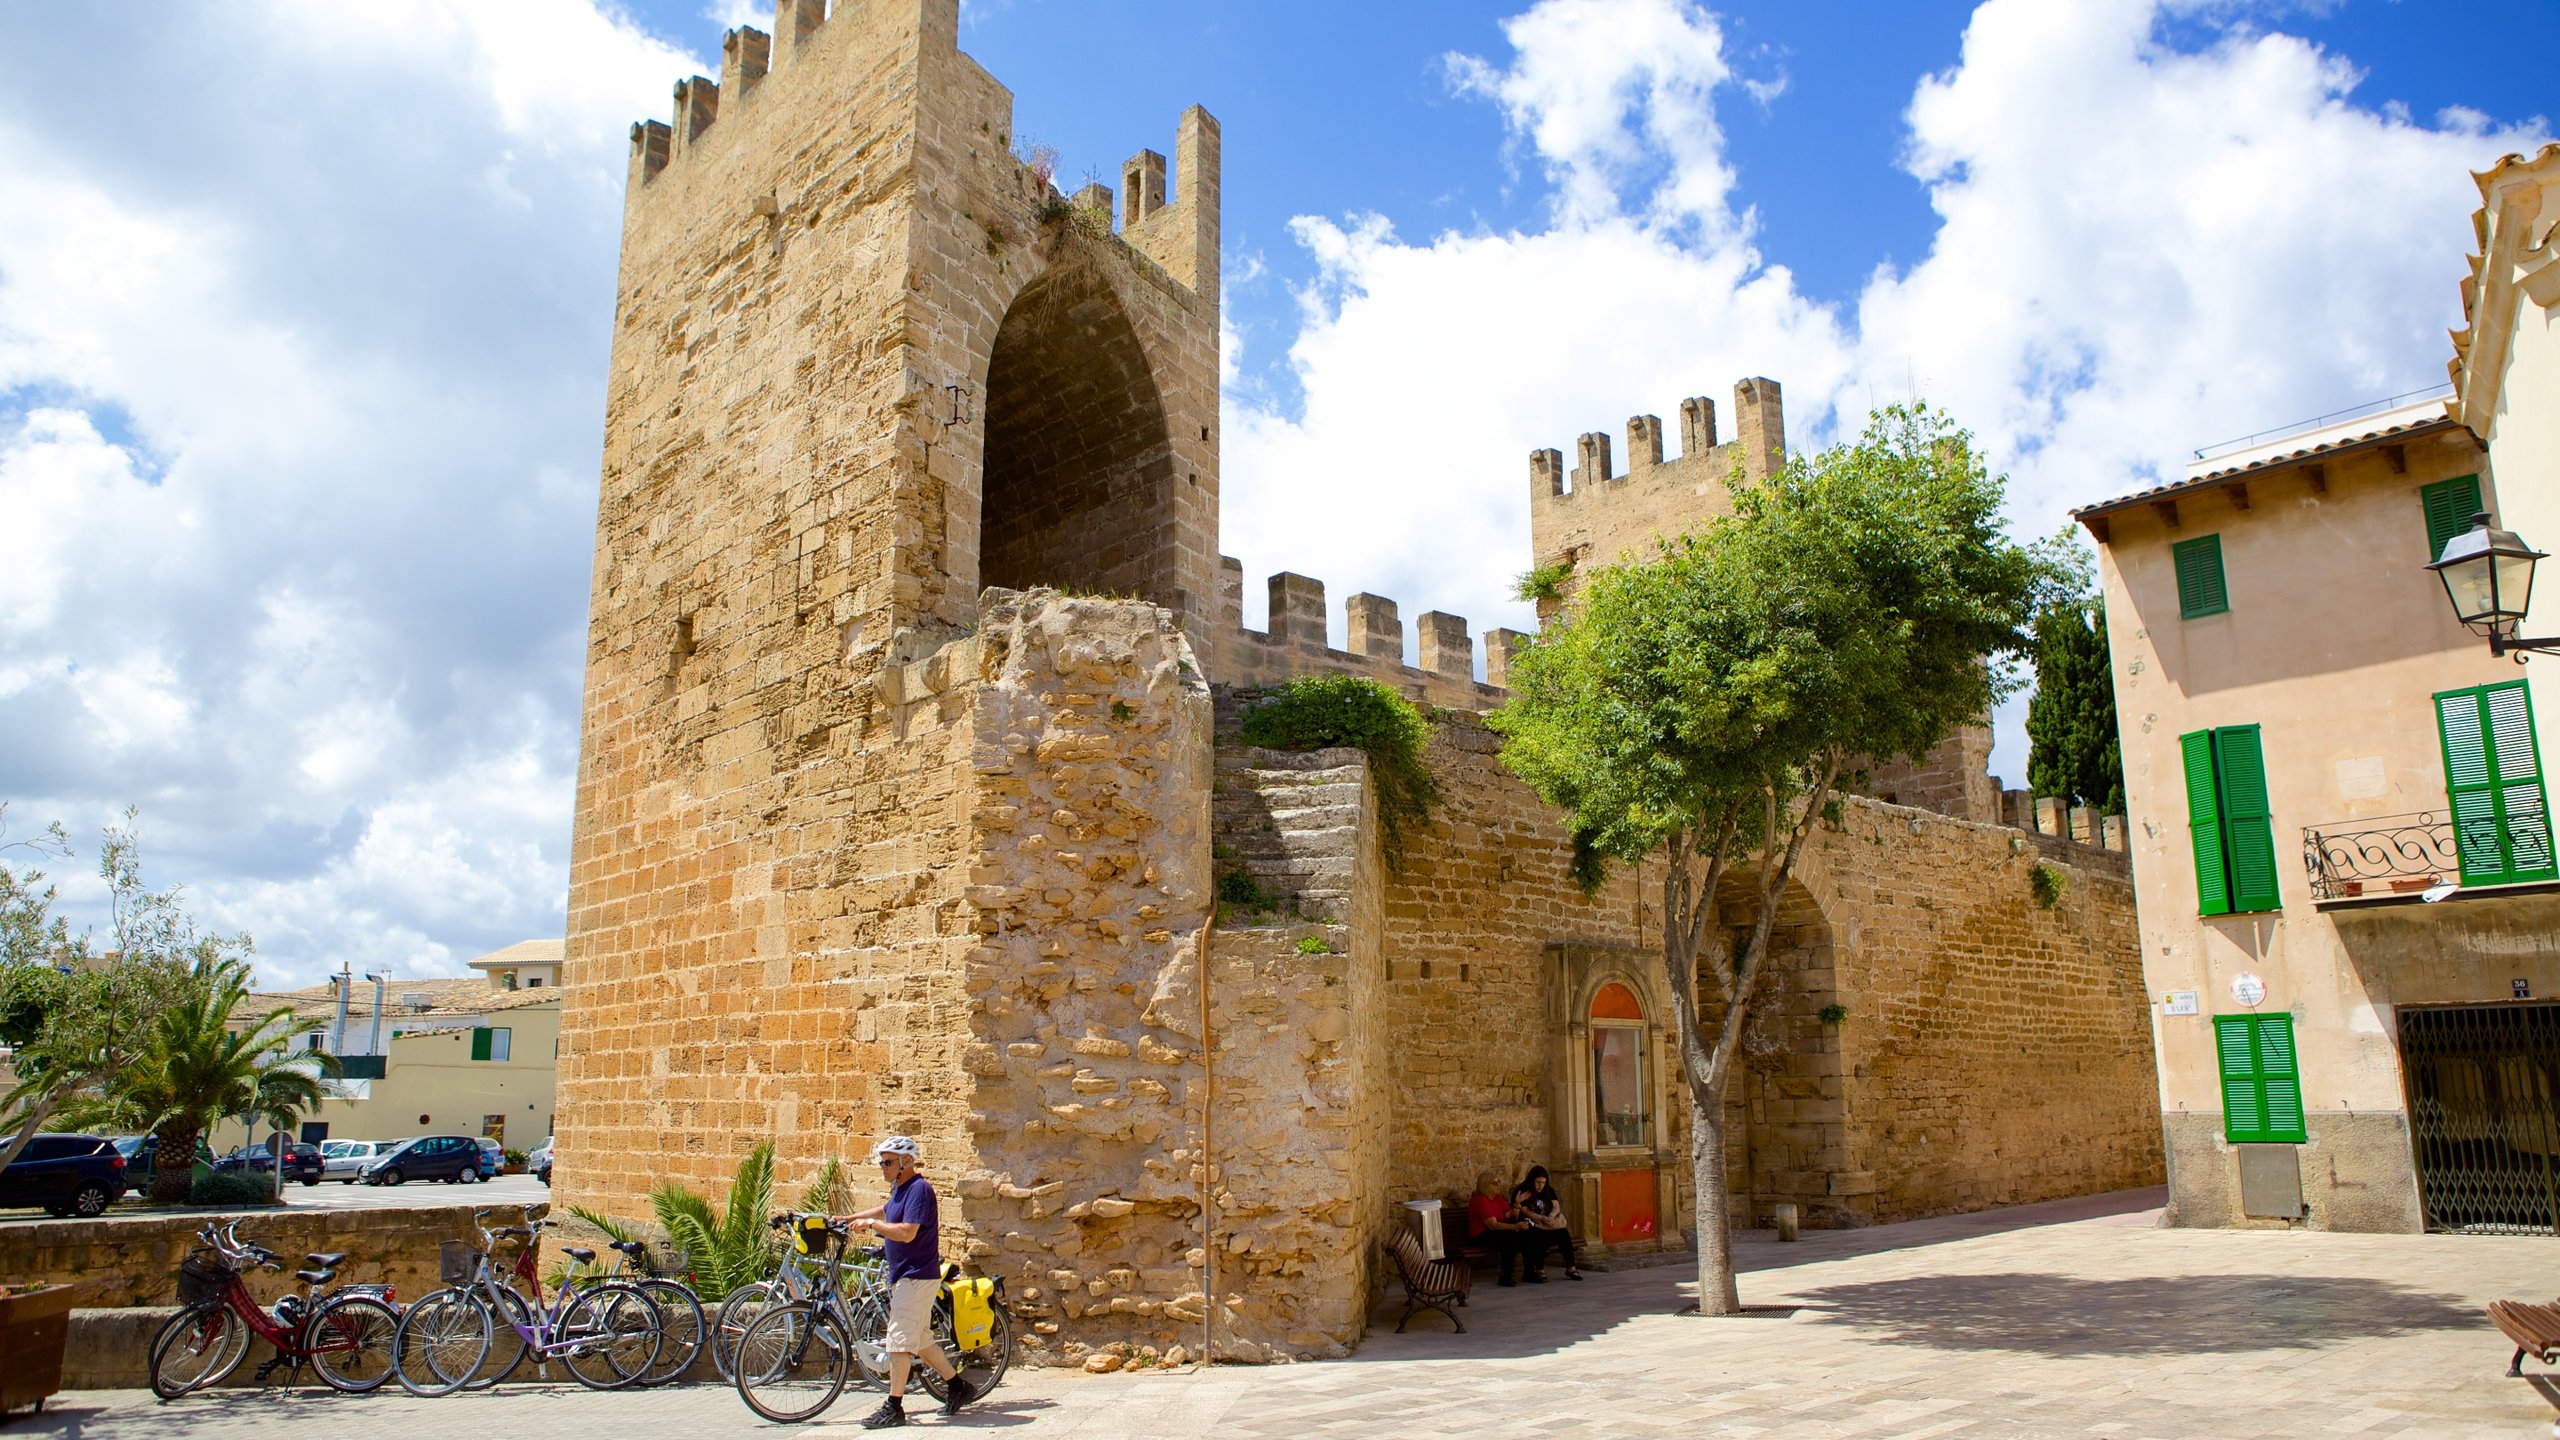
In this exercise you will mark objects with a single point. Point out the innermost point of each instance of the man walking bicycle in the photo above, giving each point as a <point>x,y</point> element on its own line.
<point>909,1225</point>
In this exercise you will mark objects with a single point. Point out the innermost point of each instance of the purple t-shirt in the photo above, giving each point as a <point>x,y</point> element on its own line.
<point>912,1203</point>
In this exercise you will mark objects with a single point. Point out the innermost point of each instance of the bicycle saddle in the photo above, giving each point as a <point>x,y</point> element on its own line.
<point>631,1248</point>
<point>315,1277</point>
<point>326,1259</point>
<point>579,1253</point>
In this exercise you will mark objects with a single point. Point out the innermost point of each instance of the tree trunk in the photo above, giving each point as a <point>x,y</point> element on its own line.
<point>1718,1293</point>
<point>24,1125</point>
<point>173,1168</point>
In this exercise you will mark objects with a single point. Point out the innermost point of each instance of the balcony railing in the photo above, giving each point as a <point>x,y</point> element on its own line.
<point>2385,855</point>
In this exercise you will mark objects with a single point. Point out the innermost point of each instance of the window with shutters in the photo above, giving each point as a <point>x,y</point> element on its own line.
<point>2261,1088</point>
<point>2493,784</point>
<point>2230,822</point>
<point>2199,566</point>
<point>492,1044</point>
<point>2449,506</point>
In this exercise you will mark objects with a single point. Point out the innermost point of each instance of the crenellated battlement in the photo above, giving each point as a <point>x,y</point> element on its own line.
<point>1595,513</point>
<point>1295,644</point>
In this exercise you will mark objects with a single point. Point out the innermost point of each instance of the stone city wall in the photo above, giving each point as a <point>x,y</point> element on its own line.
<point>126,1262</point>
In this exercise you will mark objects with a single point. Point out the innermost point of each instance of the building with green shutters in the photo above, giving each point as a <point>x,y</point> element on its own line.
<point>2342,854</point>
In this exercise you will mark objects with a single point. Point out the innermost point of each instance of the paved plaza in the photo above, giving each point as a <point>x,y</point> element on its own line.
<point>2077,1318</point>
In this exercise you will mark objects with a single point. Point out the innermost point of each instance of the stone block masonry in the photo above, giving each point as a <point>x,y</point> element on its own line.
<point>126,1262</point>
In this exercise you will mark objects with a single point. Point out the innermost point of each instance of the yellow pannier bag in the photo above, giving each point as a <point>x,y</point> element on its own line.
<point>973,1310</point>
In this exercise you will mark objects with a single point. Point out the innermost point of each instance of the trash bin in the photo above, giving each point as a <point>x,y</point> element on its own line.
<point>1426,1227</point>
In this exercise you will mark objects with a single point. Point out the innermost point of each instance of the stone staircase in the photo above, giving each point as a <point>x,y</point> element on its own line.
<point>1290,824</point>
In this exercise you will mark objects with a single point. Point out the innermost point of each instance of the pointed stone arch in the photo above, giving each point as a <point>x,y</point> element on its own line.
<point>1077,488</point>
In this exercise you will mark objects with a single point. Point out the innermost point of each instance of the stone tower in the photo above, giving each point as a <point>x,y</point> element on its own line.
<point>867,362</point>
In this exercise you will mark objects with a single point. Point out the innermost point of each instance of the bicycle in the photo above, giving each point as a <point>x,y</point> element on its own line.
<point>345,1335</point>
<point>607,1335</point>
<point>679,1309</point>
<point>793,1280</point>
<point>795,1359</point>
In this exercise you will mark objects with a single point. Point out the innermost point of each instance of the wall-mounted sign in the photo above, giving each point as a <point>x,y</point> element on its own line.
<point>2523,988</point>
<point>2179,1002</point>
<point>2248,989</point>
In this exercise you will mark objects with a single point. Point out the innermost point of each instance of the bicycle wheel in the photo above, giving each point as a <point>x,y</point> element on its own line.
<point>441,1341</point>
<point>350,1341</point>
<point>869,1317</point>
<point>983,1366</point>
<point>191,1349</point>
<point>611,1334</point>
<point>737,1313</point>
<point>681,1329</point>
<point>506,1341</point>
<point>792,1363</point>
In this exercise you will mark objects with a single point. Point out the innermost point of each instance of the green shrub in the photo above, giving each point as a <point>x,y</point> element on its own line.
<point>1543,583</point>
<point>230,1187</point>
<point>1834,1014</point>
<point>1314,945</point>
<point>2047,884</point>
<point>1320,712</point>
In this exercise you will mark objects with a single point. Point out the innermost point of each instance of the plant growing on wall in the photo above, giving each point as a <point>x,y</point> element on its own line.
<point>1693,714</point>
<point>1319,712</point>
<point>2074,751</point>
<point>1545,582</point>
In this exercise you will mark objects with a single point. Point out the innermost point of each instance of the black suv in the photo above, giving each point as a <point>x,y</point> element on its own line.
<point>453,1158</point>
<point>301,1162</point>
<point>66,1174</point>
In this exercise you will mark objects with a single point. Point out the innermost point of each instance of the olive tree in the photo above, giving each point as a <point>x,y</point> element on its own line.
<point>76,1015</point>
<point>1693,715</point>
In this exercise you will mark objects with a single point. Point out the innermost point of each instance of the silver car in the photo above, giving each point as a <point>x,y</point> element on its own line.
<point>341,1159</point>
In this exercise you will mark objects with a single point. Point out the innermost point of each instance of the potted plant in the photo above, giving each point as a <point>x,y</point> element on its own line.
<point>511,1162</point>
<point>35,1321</point>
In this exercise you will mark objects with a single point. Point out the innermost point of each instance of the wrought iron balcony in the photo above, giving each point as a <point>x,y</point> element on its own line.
<point>2385,855</point>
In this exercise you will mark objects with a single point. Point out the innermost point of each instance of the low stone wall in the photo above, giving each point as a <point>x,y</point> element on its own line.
<point>119,1264</point>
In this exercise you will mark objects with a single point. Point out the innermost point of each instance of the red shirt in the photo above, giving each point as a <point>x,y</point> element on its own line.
<point>1482,1211</point>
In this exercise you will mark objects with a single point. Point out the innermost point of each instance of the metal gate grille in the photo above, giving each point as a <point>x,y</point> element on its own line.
<point>2482,1117</point>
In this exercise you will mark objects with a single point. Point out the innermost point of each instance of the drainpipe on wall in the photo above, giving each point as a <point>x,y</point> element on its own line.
<point>1208,1178</point>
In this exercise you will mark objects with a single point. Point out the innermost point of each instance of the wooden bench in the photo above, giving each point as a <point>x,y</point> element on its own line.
<point>2534,1328</point>
<point>1428,1284</point>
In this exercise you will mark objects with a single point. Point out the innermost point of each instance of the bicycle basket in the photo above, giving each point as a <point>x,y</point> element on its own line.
<point>202,1277</point>
<point>457,1263</point>
<point>669,1260</point>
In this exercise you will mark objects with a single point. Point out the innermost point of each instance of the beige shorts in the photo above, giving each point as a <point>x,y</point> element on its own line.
<point>911,1317</point>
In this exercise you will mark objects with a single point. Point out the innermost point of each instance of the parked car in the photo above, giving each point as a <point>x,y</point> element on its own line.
<point>301,1162</point>
<point>341,1159</point>
<point>454,1159</point>
<point>141,1152</point>
<point>66,1174</point>
<point>493,1158</point>
<point>540,1161</point>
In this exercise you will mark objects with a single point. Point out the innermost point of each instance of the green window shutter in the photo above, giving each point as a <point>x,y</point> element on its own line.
<point>480,1043</point>
<point>2493,784</point>
<point>2248,826</point>
<point>2204,825</point>
<point>2261,1085</point>
<point>2449,506</point>
<point>2199,566</point>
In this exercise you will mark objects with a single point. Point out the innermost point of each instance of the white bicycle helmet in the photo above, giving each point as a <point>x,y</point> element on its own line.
<point>895,1145</point>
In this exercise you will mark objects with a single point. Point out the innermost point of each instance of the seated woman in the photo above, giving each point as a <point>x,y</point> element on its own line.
<point>1539,1206</point>
<point>1493,1222</point>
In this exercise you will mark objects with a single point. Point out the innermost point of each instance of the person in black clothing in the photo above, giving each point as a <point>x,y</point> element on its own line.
<point>1535,1200</point>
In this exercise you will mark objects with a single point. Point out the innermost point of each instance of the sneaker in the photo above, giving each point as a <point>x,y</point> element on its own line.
<point>956,1394</point>
<point>1573,1274</point>
<point>891,1412</point>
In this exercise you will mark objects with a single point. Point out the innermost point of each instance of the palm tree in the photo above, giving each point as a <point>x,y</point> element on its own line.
<point>197,1068</point>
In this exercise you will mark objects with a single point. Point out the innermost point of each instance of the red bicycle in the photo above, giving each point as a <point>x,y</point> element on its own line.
<point>345,1335</point>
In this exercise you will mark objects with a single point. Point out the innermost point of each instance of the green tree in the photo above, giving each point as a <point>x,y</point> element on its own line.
<point>1691,715</point>
<point>77,1016</point>
<point>2074,750</point>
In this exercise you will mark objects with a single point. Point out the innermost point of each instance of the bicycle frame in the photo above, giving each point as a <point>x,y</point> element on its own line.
<point>541,1336</point>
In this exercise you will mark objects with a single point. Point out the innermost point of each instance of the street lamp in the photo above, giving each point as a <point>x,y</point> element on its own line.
<point>2488,577</point>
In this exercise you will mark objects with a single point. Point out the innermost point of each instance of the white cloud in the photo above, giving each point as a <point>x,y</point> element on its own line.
<point>2140,250</point>
<point>297,442</point>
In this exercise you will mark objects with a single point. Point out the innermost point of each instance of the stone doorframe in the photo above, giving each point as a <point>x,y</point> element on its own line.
<point>1578,1161</point>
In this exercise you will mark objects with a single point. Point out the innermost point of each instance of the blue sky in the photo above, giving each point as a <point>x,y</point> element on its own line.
<point>300,419</point>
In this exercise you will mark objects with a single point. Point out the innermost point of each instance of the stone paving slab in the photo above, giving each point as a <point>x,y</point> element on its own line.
<point>2073,1319</point>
